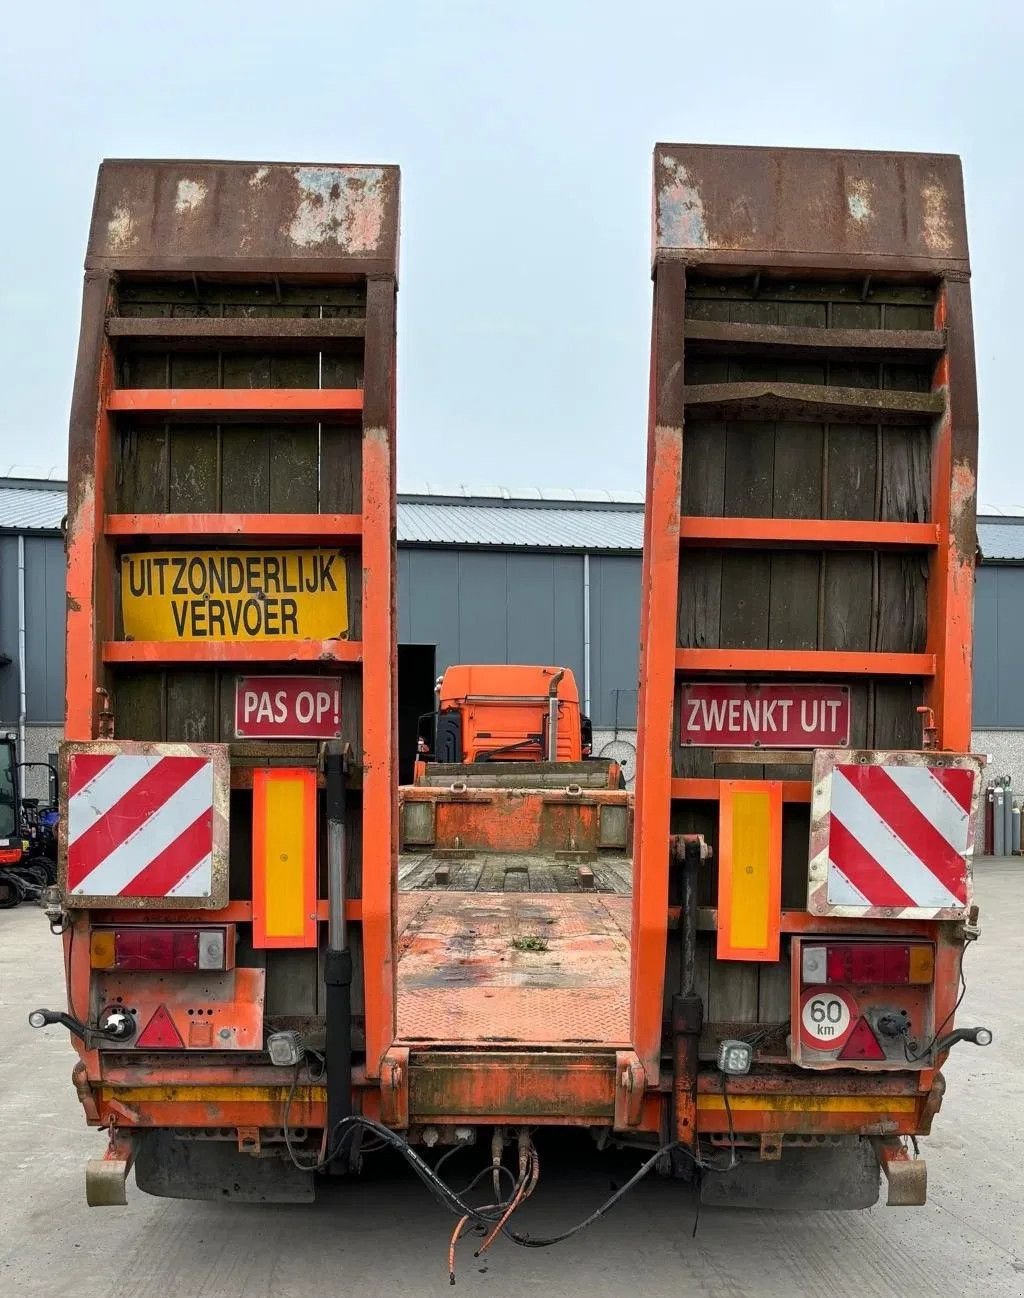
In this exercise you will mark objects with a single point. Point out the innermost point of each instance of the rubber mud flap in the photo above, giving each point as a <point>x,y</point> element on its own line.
<point>174,1168</point>
<point>830,1178</point>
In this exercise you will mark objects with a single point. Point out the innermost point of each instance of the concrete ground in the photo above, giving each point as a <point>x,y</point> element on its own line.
<point>383,1234</point>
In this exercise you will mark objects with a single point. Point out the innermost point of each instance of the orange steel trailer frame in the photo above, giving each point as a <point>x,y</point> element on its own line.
<point>306,225</point>
<point>789,212</point>
<point>703,201</point>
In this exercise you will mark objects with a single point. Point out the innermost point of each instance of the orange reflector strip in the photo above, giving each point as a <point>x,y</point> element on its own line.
<point>160,1033</point>
<point>101,948</point>
<point>749,869</point>
<point>863,1044</point>
<point>922,964</point>
<point>284,857</point>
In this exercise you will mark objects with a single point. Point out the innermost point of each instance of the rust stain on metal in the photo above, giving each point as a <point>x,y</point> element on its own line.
<point>122,232</point>
<point>936,225</point>
<point>201,216</point>
<point>680,208</point>
<point>189,196</point>
<point>858,200</point>
<point>343,207</point>
<point>963,488</point>
<point>794,207</point>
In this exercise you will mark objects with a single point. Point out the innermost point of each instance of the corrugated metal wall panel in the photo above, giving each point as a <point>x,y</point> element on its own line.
<point>428,588</point>
<point>498,607</point>
<point>9,629</point>
<point>44,620</point>
<point>986,668</point>
<point>567,648</point>
<point>614,638</point>
<point>483,608</point>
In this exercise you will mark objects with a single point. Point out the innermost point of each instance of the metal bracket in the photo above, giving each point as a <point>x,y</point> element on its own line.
<point>907,1177</point>
<point>105,1177</point>
<point>630,1085</point>
<point>249,1140</point>
<point>771,1146</point>
<point>86,1095</point>
<point>394,1088</point>
<point>932,1105</point>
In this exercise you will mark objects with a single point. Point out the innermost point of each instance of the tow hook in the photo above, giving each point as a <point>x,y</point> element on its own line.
<point>976,1036</point>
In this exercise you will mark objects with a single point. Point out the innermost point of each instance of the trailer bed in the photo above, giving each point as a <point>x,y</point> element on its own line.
<point>521,872</point>
<point>503,967</point>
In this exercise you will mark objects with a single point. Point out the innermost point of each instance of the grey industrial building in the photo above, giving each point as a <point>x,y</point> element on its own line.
<point>491,576</point>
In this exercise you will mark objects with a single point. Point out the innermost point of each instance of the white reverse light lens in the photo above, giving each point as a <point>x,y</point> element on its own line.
<point>815,964</point>
<point>735,1057</point>
<point>211,948</point>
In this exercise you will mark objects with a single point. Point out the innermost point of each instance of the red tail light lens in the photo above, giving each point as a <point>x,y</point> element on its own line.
<point>156,948</point>
<point>871,963</point>
<point>868,964</point>
<point>10,855</point>
<point>142,948</point>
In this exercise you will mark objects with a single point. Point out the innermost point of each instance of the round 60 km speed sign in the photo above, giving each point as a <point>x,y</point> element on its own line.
<point>827,1016</point>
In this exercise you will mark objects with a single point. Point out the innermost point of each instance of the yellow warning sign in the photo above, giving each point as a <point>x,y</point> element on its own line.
<point>234,595</point>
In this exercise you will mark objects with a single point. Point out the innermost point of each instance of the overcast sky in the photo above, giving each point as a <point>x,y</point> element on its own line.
<point>524,132</point>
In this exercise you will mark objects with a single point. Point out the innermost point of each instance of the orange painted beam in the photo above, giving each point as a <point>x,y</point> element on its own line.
<point>806,531</point>
<point>802,921</point>
<point>690,790</point>
<point>655,739</point>
<point>156,652</point>
<point>954,496</point>
<point>235,912</point>
<point>214,400</point>
<point>380,681</point>
<point>815,662</point>
<point>335,528</point>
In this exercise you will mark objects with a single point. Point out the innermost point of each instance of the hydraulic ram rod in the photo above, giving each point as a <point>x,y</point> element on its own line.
<point>338,962</point>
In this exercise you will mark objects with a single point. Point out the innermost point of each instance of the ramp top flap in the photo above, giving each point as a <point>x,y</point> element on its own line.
<point>827,209</point>
<point>306,218</point>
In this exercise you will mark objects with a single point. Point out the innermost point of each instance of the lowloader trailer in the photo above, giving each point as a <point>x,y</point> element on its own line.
<point>751,974</point>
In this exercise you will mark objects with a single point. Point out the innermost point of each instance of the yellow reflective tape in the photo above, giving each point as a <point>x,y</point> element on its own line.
<point>284,857</point>
<point>223,1094</point>
<point>211,595</point>
<point>751,870</point>
<point>811,1103</point>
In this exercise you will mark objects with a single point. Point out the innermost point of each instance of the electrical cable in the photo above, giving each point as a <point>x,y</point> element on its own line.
<point>492,1219</point>
<point>918,1055</point>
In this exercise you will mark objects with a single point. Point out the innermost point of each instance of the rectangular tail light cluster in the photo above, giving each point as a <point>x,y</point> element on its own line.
<point>887,964</point>
<point>141,948</point>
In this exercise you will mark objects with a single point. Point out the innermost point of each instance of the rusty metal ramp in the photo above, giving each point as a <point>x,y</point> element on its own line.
<point>513,968</point>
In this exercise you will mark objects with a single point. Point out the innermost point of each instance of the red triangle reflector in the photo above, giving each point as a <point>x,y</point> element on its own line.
<point>160,1033</point>
<point>863,1044</point>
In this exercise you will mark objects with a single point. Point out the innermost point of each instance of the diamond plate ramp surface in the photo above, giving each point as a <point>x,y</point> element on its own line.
<point>539,969</point>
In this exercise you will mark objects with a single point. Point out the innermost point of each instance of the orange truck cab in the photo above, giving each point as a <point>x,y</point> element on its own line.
<point>502,712</point>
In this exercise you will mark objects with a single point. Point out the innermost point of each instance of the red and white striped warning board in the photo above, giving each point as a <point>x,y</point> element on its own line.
<point>145,822</point>
<point>892,834</point>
